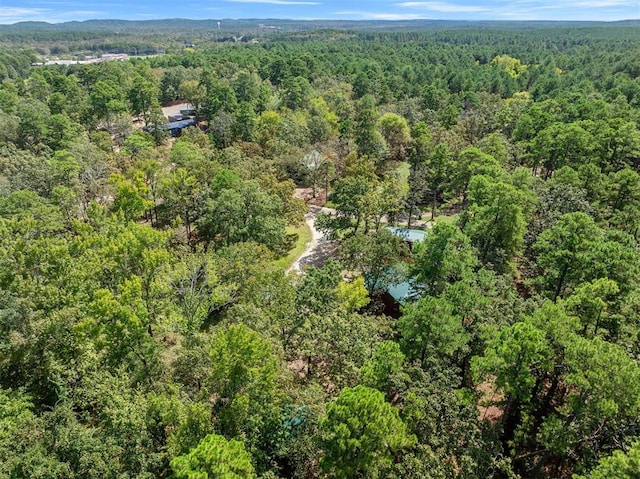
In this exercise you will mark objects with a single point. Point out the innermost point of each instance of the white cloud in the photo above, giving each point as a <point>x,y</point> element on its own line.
<point>275,2</point>
<point>56,3</point>
<point>395,16</point>
<point>20,12</point>
<point>82,13</point>
<point>604,3</point>
<point>10,15</point>
<point>444,7</point>
<point>603,10</point>
<point>380,15</point>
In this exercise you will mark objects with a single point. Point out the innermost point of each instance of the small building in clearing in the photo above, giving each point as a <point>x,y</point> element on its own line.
<point>174,127</point>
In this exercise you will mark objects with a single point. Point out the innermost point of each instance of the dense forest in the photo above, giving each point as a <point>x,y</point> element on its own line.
<point>151,325</point>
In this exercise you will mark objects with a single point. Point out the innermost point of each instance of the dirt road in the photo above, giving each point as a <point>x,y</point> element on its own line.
<point>319,249</point>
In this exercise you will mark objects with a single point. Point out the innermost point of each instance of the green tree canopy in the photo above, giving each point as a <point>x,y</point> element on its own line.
<point>214,458</point>
<point>361,434</point>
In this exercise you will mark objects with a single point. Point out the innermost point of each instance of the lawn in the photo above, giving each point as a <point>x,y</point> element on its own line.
<point>452,219</point>
<point>304,236</point>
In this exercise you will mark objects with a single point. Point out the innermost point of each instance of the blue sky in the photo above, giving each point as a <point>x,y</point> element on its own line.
<point>54,11</point>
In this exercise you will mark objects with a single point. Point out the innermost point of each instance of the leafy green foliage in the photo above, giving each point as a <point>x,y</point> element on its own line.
<point>430,328</point>
<point>444,257</point>
<point>214,458</point>
<point>496,224</point>
<point>147,327</point>
<point>624,465</point>
<point>243,213</point>
<point>361,433</point>
<point>375,256</point>
<point>244,379</point>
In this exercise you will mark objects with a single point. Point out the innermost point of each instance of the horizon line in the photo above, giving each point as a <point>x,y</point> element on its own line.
<point>408,20</point>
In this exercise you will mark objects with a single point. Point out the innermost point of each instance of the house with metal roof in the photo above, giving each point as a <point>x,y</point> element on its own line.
<point>398,293</point>
<point>174,127</point>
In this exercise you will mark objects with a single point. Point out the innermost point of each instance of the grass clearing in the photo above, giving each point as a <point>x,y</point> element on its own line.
<point>304,236</point>
<point>452,219</point>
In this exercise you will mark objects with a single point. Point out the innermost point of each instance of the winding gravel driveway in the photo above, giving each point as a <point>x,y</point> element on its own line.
<point>319,249</point>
